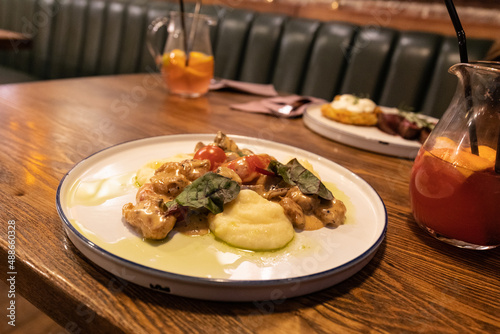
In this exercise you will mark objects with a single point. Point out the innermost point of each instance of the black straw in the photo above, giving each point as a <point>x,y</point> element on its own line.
<point>462,48</point>
<point>462,41</point>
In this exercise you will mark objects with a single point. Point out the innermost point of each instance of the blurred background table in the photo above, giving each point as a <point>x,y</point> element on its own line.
<point>413,284</point>
<point>11,40</point>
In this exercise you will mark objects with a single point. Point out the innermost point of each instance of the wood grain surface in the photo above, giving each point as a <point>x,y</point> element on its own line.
<point>11,40</point>
<point>479,18</point>
<point>414,284</point>
<point>29,320</point>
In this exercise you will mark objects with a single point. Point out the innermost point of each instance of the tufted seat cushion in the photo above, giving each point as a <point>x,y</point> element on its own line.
<point>99,37</point>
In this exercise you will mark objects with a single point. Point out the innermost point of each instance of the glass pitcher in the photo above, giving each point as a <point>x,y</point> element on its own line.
<point>455,179</point>
<point>187,62</point>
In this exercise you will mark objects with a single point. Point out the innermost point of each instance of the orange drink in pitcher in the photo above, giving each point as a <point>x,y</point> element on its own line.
<point>188,34</point>
<point>187,76</point>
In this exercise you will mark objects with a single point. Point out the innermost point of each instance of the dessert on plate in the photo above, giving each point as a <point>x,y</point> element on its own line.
<point>350,109</point>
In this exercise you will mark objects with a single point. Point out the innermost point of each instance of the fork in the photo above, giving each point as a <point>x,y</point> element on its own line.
<point>286,110</point>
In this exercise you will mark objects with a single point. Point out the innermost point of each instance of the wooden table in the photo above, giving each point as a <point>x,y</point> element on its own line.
<point>413,284</point>
<point>12,40</point>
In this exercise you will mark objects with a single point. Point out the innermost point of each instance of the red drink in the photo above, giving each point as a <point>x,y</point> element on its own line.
<point>457,196</point>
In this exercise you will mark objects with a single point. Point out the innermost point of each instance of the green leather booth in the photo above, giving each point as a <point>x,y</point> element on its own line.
<point>100,37</point>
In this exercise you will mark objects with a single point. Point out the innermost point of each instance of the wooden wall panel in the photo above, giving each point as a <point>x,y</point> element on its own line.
<point>480,18</point>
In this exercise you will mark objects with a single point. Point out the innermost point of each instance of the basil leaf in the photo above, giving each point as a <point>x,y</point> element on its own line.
<point>281,170</point>
<point>210,191</point>
<point>293,173</point>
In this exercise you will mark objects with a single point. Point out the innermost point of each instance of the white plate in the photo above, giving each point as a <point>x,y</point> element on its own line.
<point>367,138</point>
<point>91,195</point>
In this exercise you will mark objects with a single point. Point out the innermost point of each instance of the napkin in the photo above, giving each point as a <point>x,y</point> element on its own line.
<point>247,87</point>
<point>272,104</point>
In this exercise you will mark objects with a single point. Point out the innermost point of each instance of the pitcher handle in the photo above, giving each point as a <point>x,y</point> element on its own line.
<point>152,30</point>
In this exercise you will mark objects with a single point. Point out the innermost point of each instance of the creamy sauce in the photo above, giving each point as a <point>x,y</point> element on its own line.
<point>96,192</point>
<point>339,194</point>
<point>203,256</point>
<point>312,223</point>
<point>193,225</point>
<point>185,247</point>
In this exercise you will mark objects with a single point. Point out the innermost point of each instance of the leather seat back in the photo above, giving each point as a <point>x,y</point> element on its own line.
<point>293,55</point>
<point>322,59</point>
<point>231,42</point>
<point>329,59</point>
<point>442,85</point>
<point>259,59</point>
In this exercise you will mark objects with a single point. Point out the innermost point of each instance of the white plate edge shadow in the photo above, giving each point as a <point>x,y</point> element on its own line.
<point>208,288</point>
<point>386,144</point>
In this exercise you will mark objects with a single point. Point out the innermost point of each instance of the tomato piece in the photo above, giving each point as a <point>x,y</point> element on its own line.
<point>250,166</point>
<point>213,153</point>
<point>259,163</point>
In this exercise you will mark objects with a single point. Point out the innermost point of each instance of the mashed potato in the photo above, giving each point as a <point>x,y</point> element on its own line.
<point>252,222</point>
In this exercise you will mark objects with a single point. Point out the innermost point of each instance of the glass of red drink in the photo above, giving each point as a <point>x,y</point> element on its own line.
<point>455,179</point>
